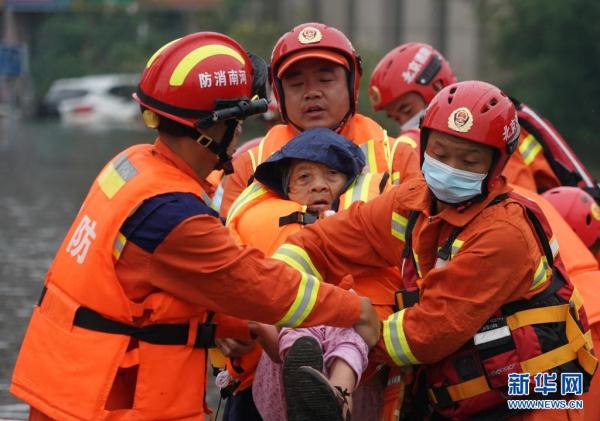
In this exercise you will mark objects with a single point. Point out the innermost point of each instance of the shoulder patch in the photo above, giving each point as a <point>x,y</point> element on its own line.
<point>156,217</point>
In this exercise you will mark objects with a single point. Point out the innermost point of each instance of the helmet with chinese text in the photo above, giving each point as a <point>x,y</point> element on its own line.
<point>188,78</point>
<point>412,67</point>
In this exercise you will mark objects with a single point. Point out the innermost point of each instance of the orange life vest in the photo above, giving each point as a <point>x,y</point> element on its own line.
<point>474,379</point>
<point>366,133</point>
<point>65,370</point>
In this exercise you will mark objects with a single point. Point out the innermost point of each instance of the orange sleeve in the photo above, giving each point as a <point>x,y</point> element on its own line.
<point>235,183</point>
<point>349,242</point>
<point>405,161</point>
<point>200,263</point>
<point>231,327</point>
<point>493,267</point>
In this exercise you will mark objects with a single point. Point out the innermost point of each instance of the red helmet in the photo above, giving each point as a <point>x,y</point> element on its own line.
<point>412,67</point>
<point>184,78</point>
<point>478,112</point>
<point>579,209</point>
<point>315,40</point>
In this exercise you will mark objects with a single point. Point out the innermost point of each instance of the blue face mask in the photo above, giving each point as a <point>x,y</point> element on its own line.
<point>449,184</point>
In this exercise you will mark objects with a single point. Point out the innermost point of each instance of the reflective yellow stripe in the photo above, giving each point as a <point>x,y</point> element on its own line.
<point>372,157</point>
<point>261,146</point>
<point>368,149</point>
<point>395,178</point>
<point>408,140</point>
<point>196,56</point>
<point>456,245</point>
<point>115,175</point>
<point>541,273</point>
<point>297,258</point>
<point>529,149</point>
<point>395,340</point>
<point>417,265</point>
<point>250,193</point>
<point>303,303</point>
<point>358,190</point>
<point>160,50</point>
<point>389,159</point>
<point>398,226</point>
<point>253,160</point>
<point>120,242</point>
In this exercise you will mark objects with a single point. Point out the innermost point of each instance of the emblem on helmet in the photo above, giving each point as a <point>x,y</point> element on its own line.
<point>309,35</point>
<point>460,120</point>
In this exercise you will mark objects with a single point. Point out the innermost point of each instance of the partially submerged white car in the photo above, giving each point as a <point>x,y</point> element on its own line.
<point>96,100</point>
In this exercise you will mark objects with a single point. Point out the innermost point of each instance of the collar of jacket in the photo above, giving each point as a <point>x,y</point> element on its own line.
<point>168,155</point>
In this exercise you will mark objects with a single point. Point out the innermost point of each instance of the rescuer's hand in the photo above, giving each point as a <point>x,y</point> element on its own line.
<point>368,326</point>
<point>234,348</point>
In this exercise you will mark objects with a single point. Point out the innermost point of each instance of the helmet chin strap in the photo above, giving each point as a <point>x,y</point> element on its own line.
<point>220,148</point>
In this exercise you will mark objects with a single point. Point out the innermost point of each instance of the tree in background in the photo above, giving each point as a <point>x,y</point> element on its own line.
<point>550,51</point>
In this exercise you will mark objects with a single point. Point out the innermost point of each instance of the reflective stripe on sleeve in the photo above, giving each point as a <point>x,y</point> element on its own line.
<point>297,258</point>
<point>395,340</point>
<point>303,303</point>
<point>529,149</point>
<point>398,226</point>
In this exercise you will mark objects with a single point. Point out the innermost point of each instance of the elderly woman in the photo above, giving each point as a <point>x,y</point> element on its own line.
<point>304,181</point>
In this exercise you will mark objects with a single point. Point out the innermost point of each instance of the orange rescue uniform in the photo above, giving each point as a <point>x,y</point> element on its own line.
<point>496,259</point>
<point>70,372</point>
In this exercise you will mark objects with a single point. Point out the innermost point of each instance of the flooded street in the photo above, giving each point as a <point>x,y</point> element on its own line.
<point>45,171</point>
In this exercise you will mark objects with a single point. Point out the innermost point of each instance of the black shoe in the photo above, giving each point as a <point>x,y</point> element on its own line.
<point>318,400</point>
<point>306,351</point>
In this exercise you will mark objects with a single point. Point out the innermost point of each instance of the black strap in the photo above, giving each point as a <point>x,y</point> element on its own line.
<point>541,234</point>
<point>304,218</point>
<point>410,225</point>
<point>446,249</point>
<point>383,181</point>
<point>159,334</point>
<point>405,298</point>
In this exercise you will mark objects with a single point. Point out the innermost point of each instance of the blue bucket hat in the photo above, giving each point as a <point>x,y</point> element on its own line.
<point>318,145</point>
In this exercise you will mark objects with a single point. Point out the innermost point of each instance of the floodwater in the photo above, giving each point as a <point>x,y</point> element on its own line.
<point>45,171</point>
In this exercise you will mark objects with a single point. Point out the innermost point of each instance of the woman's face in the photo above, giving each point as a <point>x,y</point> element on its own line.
<point>314,185</point>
